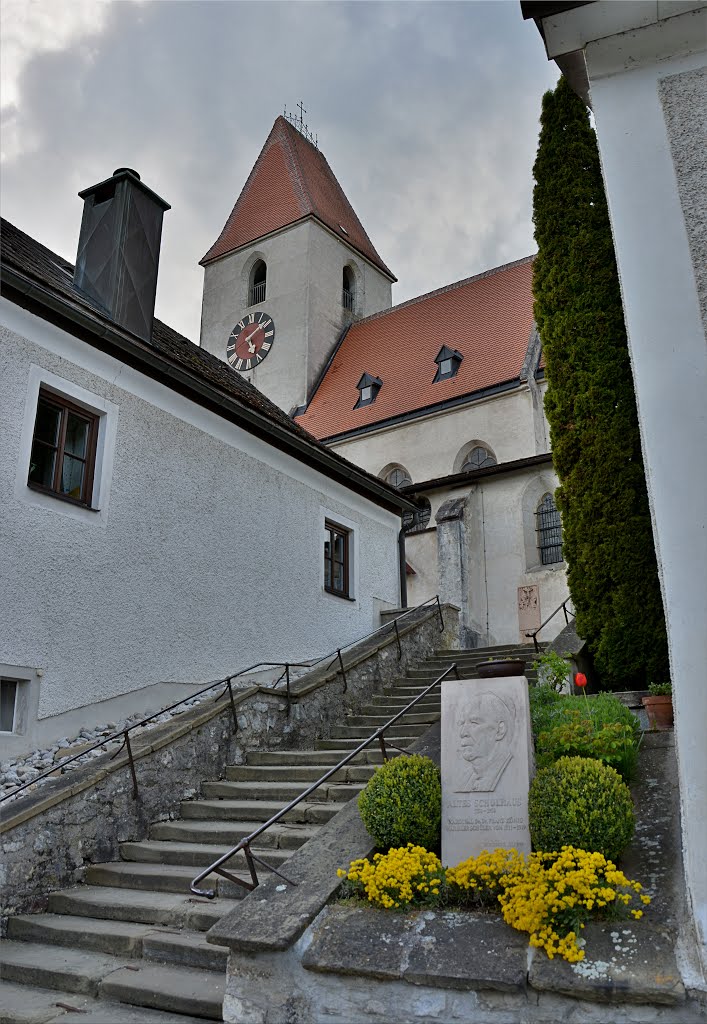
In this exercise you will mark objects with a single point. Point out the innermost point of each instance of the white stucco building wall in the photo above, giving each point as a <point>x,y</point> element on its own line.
<point>206,555</point>
<point>429,446</point>
<point>305,264</point>
<point>645,68</point>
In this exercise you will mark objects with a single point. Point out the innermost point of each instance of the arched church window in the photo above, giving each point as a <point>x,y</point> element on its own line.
<point>258,278</point>
<point>478,458</point>
<point>549,530</point>
<point>348,289</point>
<point>398,476</point>
<point>416,522</point>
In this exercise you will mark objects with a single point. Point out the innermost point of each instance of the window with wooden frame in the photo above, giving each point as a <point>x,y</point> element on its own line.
<point>336,559</point>
<point>63,449</point>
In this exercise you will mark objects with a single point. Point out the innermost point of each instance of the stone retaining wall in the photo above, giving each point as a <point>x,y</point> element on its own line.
<point>52,833</point>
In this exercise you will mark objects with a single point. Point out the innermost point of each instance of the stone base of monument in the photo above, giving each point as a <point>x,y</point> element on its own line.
<point>486,766</point>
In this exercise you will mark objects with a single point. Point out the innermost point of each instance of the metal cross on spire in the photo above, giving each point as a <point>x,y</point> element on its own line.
<point>299,124</point>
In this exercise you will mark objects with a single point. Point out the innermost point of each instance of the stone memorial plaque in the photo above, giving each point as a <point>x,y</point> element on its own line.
<point>486,766</point>
<point>528,610</point>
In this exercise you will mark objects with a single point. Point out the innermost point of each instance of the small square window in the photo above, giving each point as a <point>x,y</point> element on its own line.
<point>8,702</point>
<point>445,367</point>
<point>336,559</point>
<point>366,394</point>
<point>63,449</point>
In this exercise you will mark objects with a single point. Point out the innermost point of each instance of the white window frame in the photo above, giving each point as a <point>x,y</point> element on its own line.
<point>107,412</point>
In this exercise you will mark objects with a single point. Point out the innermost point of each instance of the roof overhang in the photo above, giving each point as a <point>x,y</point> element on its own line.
<point>455,481</point>
<point>90,327</point>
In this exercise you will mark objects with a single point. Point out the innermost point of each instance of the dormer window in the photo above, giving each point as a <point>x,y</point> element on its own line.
<point>368,387</point>
<point>448,362</point>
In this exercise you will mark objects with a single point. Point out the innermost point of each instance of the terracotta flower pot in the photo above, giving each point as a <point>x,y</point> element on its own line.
<point>660,711</point>
<point>499,668</point>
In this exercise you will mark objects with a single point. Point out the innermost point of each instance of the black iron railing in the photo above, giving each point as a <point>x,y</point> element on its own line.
<point>227,684</point>
<point>245,844</point>
<point>347,299</point>
<point>257,293</point>
<point>560,608</point>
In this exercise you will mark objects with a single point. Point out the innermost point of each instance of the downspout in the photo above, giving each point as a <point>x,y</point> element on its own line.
<point>402,567</point>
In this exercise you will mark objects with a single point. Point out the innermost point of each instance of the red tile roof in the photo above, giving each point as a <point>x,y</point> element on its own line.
<point>488,318</point>
<point>291,180</point>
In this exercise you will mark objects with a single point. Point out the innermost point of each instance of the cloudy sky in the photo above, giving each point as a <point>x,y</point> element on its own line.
<point>426,112</point>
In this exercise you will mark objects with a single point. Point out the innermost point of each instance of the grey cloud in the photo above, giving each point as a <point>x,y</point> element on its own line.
<point>427,113</point>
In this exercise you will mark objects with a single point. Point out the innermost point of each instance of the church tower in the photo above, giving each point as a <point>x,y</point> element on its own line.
<point>291,269</point>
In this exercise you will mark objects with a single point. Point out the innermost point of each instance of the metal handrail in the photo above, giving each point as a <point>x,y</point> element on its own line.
<point>226,682</point>
<point>244,844</point>
<point>562,607</point>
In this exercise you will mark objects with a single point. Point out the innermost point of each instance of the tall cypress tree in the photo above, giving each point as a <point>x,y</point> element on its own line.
<point>591,406</point>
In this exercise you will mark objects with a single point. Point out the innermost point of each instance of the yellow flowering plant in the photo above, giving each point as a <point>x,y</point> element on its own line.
<point>407,876</point>
<point>551,895</point>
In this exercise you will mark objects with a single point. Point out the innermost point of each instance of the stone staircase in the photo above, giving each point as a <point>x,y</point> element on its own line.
<point>129,943</point>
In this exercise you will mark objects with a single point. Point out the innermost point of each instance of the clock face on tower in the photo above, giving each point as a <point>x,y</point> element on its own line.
<point>250,341</point>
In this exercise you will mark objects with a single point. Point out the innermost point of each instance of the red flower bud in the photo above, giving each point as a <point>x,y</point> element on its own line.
<point>580,679</point>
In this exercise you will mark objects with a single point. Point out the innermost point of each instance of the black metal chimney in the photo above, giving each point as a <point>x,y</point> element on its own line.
<point>119,249</point>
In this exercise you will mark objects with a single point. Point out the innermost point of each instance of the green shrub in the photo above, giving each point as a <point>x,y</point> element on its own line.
<point>580,802</point>
<point>660,689</point>
<point>553,670</point>
<point>615,744</point>
<point>402,803</point>
<point>549,709</point>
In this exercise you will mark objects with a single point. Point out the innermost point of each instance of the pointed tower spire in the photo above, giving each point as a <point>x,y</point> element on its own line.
<point>291,180</point>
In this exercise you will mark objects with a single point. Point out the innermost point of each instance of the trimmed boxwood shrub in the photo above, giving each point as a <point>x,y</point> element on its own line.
<point>402,803</point>
<point>580,802</point>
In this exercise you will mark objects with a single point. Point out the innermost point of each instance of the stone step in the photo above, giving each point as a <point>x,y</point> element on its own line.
<point>26,1004</point>
<point>353,732</point>
<point>185,948</point>
<point>193,855</point>
<point>369,723</point>
<point>56,967</point>
<point>309,757</point>
<point>283,835</point>
<point>345,746</point>
<point>174,878</point>
<point>316,812</point>
<point>180,990</point>
<point>283,775</point>
<point>118,938</point>
<point>283,792</point>
<point>118,904</point>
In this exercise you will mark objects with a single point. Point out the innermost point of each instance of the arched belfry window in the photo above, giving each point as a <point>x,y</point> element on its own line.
<point>348,289</point>
<point>258,278</point>
<point>479,457</point>
<point>549,530</point>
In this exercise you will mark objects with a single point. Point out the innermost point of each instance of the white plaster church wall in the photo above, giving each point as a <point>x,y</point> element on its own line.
<point>305,264</point>
<point>427,447</point>
<point>327,257</point>
<point>281,375</point>
<point>502,554</point>
<point>207,557</point>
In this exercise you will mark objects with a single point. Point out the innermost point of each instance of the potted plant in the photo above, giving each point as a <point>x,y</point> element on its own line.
<point>659,705</point>
<point>496,668</point>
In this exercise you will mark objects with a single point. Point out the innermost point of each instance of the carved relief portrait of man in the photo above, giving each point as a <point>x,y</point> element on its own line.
<point>486,725</point>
